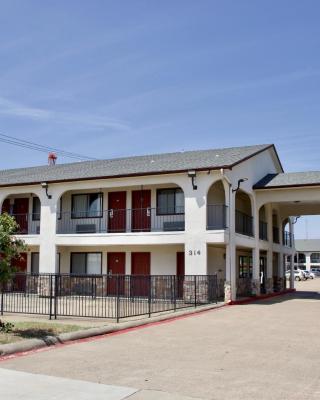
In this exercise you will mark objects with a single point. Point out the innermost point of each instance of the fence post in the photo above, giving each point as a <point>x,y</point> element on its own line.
<point>175,292</point>
<point>2,298</point>
<point>56,281</point>
<point>149,295</point>
<point>195,290</point>
<point>118,297</point>
<point>50,294</point>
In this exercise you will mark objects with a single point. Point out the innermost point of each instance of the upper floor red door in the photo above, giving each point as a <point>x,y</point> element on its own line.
<point>21,210</point>
<point>117,211</point>
<point>141,211</point>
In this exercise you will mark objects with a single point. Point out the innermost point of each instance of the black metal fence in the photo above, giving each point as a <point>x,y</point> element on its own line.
<point>244,223</point>
<point>106,296</point>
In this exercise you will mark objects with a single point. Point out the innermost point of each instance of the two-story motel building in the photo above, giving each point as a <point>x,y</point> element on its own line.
<point>224,211</point>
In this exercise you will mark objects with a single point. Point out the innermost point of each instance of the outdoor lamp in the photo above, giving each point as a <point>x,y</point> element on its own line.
<point>192,174</point>
<point>239,184</point>
<point>45,186</point>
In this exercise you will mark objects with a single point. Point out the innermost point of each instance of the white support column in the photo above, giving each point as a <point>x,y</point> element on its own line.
<point>230,291</point>
<point>48,223</point>
<point>269,277</point>
<point>308,261</point>
<point>195,229</point>
<point>255,252</point>
<point>291,230</point>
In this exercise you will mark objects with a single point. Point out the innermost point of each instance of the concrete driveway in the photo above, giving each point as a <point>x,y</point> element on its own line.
<point>264,350</point>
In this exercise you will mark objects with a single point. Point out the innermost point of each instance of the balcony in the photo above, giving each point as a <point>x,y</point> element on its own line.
<point>263,230</point>
<point>216,216</point>
<point>28,224</point>
<point>119,221</point>
<point>244,223</point>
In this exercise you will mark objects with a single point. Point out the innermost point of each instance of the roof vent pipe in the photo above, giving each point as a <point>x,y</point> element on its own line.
<point>52,158</point>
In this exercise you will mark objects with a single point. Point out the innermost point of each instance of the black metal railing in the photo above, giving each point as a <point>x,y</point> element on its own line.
<point>28,224</point>
<point>275,234</point>
<point>287,239</point>
<point>216,216</point>
<point>263,230</point>
<point>117,221</point>
<point>244,223</point>
<point>105,296</point>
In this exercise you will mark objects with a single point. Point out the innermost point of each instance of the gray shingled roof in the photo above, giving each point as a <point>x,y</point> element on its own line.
<point>307,245</point>
<point>309,178</point>
<point>141,165</point>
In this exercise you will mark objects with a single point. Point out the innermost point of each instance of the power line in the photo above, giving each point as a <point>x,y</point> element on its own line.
<point>34,146</point>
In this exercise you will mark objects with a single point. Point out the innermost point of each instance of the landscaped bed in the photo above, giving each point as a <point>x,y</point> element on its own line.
<point>35,330</point>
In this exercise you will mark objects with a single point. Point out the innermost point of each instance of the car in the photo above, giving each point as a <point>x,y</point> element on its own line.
<point>298,275</point>
<point>315,271</point>
<point>306,274</point>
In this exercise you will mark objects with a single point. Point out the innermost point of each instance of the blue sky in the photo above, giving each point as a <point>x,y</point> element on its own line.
<point>117,78</point>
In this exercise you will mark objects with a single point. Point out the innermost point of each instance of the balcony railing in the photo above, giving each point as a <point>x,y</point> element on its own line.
<point>216,216</point>
<point>275,234</point>
<point>28,224</point>
<point>244,223</point>
<point>119,221</point>
<point>287,239</point>
<point>263,230</point>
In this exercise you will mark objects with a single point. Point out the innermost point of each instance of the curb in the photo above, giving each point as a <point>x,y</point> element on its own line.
<point>68,337</point>
<point>260,297</point>
<point>24,347</point>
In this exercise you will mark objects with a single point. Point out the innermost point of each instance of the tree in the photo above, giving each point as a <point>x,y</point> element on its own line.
<point>10,248</point>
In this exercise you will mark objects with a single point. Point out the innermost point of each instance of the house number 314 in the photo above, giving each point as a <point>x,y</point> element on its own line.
<point>194,252</point>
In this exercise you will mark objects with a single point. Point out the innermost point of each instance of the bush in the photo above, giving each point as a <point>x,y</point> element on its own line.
<point>6,327</point>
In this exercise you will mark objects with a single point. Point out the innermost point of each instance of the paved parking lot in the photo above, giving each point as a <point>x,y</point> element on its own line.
<point>264,350</point>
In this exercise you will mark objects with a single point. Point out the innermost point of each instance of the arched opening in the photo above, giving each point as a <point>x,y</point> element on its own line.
<point>263,226</point>
<point>216,208</point>
<point>118,210</point>
<point>286,234</point>
<point>244,219</point>
<point>26,209</point>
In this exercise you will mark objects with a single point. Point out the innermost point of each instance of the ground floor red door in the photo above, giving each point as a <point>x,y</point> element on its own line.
<point>141,210</point>
<point>21,210</point>
<point>180,274</point>
<point>140,274</point>
<point>117,211</point>
<point>21,266</point>
<point>116,266</point>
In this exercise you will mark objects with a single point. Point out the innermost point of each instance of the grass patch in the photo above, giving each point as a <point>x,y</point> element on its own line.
<point>36,330</point>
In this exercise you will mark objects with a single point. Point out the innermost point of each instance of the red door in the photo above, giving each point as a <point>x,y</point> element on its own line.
<point>180,274</point>
<point>6,206</point>
<point>20,210</point>
<point>117,212</point>
<point>141,211</point>
<point>140,273</point>
<point>116,266</point>
<point>20,278</point>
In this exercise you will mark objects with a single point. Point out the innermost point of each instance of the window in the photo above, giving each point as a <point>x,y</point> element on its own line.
<point>315,257</point>
<point>36,209</point>
<point>245,267</point>
<point>170,201</point>
<point>86,263</point>
<point>87,205</point>
<point>35,263</point>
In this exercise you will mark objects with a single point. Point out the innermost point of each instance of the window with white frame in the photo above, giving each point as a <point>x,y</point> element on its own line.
<point>170,201</point>
<point>88,205</point>
<point>86,263</point>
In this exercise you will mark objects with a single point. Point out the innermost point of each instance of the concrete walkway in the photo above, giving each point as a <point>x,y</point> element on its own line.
<point>264,350</point>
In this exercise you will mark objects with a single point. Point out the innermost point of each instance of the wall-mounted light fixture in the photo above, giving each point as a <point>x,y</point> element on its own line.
<point>45,186</point>
<point>239,184</point>
<point>296,219</point>
<point>192,174</point>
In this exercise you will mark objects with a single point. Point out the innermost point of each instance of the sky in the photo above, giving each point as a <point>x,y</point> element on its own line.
<point>119,78</point>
